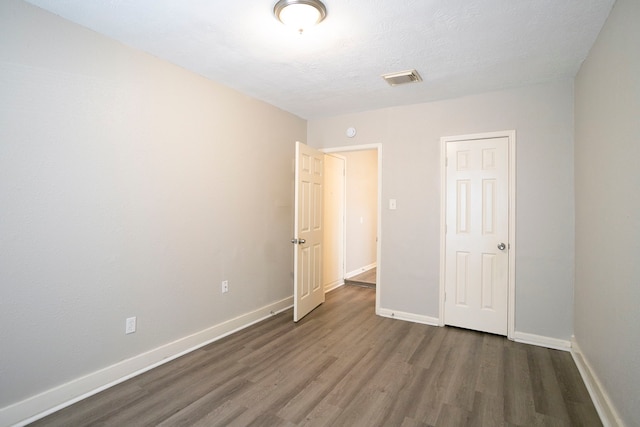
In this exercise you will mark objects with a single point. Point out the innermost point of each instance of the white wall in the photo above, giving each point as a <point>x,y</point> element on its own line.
<point>333,216</point>
<point>542,116</point>
<point>361,209</point>
<point>128,187</point>
<point>607,294</point>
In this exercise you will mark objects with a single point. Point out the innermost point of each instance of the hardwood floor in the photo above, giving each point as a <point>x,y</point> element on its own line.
<point>368,279</point>
<point>344,366</point>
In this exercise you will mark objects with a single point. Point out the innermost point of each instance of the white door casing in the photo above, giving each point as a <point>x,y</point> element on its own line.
<point>307,271</point>
<point>477,242</point>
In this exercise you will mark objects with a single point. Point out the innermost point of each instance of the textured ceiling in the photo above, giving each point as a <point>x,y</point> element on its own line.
<point>459,47</point>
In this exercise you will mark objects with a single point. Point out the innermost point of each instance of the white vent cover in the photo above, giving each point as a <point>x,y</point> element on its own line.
<point>402,77</point>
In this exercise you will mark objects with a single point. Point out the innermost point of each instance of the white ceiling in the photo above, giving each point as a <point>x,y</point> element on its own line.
<point>458,46</point>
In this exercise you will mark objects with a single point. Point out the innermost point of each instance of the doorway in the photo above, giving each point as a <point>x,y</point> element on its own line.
<point>477,241</point>
<point>361,237</point>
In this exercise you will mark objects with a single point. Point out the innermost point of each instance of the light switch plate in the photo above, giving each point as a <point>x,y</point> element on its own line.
<point>130,325</point>
<point>392,204</point>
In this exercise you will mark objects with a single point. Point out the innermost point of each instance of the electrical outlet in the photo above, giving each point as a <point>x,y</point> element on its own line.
<point>225,286</point>
<point>130,325</point>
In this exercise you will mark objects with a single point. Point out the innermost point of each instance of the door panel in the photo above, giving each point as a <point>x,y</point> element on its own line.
<point>477,221</point>
<point>307,271</point>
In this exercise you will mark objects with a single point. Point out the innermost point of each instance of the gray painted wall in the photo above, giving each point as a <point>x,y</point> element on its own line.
<point>607,294</point>
<point>542,116</point>
<point>128,187</point>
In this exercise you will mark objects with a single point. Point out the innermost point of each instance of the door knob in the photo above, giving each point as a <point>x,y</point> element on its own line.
<point>298,241</point>
<point>302,241</point>
<point>294,241</point>
<point>502,246</point>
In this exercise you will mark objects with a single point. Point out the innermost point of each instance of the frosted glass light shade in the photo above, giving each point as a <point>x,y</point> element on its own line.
<point>300,14</point>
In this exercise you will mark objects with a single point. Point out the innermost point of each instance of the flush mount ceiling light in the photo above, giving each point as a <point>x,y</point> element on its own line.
<point>300,14</point>
<point>409,76</point>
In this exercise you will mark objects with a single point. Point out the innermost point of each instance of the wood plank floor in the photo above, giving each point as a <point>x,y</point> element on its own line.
<point>344,366</point>
<point>368,279</point>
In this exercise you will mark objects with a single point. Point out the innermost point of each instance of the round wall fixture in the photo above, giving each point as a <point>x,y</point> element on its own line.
<point>351,132</point>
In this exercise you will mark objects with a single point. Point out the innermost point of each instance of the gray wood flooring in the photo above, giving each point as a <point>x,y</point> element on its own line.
<point>368,279</point>
<point>344,366</point>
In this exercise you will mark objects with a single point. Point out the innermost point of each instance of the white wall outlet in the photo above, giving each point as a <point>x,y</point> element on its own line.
<point>225,286</point>
<point>130,325</point>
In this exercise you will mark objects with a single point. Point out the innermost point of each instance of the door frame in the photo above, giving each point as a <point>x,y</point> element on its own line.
<point>511,286</point>
<point>364,147</point>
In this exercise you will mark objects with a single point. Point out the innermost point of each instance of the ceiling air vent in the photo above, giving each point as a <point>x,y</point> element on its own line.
<point>409,76</point>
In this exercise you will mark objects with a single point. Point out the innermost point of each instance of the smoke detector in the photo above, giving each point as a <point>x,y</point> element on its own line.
<point>402,77</point>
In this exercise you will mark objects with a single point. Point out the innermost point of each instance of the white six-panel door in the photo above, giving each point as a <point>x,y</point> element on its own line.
<point>477,234</point>
<point>307,271</point>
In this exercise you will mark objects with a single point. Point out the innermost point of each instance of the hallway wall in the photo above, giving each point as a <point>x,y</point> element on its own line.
<point>361,209</point>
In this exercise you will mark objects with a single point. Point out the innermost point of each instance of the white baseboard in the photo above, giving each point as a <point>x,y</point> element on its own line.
<point>608,414</point>
<point>333,285</point>
<point>542,341</point>
<point>411,317</point>
<point>43,404</point>
<point>360,270</point>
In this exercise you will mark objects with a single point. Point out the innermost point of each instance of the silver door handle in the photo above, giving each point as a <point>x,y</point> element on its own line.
<point>301,241</point>
<point>298,241</point>
<point>502,246</point>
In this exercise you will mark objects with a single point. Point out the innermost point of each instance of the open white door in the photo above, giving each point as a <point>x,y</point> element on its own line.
<point>477,234</point>
<point>307,270</point>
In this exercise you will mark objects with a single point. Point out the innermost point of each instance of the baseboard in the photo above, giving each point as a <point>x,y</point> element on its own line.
<point>333,285</point>
<point>608,414</point>
<point>542,341</point>
<point>43,404</point>
<point>410,317</point>
<point>360,270</point>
